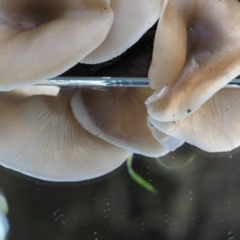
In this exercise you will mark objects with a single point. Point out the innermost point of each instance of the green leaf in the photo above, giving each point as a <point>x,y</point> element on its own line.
<point>137,178</point>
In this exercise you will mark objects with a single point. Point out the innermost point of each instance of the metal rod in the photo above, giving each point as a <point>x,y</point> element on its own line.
<point>90,82</point>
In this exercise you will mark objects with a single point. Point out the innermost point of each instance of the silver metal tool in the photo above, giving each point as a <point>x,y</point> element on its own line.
<point>90,82</point>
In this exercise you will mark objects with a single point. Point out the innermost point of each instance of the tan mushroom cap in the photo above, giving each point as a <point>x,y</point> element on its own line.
<point>196,53</point>
<point>214,127</point>
<point>169,142</point>
<point>41,39</point>
<point>40,137</point>
<point>169,47</point>
<point>118,116</point>
<point>37,90</point>
<point>132,18</point>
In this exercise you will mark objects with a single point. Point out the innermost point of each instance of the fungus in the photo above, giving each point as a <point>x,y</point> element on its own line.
<point>213,127</point>
<point>118,116</point>
<point>37,90</point>
<point>42,39</point>
<point>167,141</point>
<point>132,18</point>
<point>196,53</point>
<point>41,138</point>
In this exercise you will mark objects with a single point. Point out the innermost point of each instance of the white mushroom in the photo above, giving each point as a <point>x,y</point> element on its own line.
<point>196,53</point>
<point>167,141</point>
<point>132,18</point>
<point>40,137</point>
<point>37,90</point>
<point>118,116</point>
<point>41,39</point>
<point>214,127</point>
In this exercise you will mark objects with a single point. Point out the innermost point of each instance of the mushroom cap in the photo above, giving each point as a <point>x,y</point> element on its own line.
<point>118,116</point>
<point>169,142</point>
<point>41,138</point>
<point>37,90</point>
<point>208,46</point>
<point>42,39</point>
<point>132,18</point>
<point>169,47</point>
<point>214,127</point>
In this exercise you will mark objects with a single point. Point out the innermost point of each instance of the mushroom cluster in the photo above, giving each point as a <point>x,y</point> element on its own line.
<point>190,102</point>
<point>72,135</point>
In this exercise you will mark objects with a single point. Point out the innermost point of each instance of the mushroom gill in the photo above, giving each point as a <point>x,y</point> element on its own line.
<point>196,53</point>
<point>213,127</point>
<point>41,39</point>
<point>132,18</point>
<point>118,116</point>
<point>40,137</point>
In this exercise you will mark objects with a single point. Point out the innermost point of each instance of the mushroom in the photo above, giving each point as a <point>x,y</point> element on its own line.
<point>37,90</point>
<point>167,141</point>
<point>40,137</point>
<point>213,127</point>
<point>132,18</point>
<point>196,53</point>
<point>41,39</point>
<point>118,116</point>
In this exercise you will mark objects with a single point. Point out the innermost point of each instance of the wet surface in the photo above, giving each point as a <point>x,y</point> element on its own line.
<point>198,200</point>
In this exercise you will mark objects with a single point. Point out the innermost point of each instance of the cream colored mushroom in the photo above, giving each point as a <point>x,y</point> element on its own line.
<point>169,142</point>
<point>132,18</point>
<point>196,53</point>
<point>37,90</point>
<point>41,39</point>
<point>40,137</point>
<point>214,127</point>
<point>118,116</point>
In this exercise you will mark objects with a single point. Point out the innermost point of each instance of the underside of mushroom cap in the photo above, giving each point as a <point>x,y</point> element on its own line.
<point>40,137</point>
<point>42,39</point>
<point>210,61</point>
<point>132,18</point>
<point>117,116</point>
<point>214,127</point>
